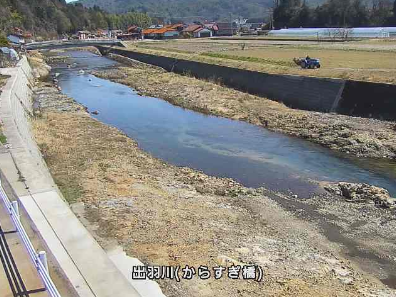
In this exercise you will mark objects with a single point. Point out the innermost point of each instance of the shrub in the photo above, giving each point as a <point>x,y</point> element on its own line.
<point>3,40</point>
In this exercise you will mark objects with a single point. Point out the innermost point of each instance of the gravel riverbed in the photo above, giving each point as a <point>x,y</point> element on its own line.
<point>167,215</point>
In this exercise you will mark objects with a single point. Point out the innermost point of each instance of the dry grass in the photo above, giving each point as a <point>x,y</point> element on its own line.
<point>331,59</point>
<point>366,61</point>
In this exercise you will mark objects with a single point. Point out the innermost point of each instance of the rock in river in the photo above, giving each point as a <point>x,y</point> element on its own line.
<point>357,192</point>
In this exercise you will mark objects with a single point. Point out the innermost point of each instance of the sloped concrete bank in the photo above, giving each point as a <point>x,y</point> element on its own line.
<point>367,99</point>
<point>81,260</point>
<point>307,93</point>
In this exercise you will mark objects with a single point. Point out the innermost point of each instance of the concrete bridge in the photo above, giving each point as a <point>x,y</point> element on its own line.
<point>53,44</point>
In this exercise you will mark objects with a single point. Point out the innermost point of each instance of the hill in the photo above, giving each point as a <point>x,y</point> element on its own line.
<point>191,9</point>
<point>50,18</point>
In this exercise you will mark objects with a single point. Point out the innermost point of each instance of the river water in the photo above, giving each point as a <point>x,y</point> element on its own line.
<point>249,154</point>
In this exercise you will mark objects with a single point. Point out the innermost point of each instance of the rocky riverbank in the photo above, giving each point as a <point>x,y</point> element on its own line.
<point>356,136</point>
<point>166,215</point>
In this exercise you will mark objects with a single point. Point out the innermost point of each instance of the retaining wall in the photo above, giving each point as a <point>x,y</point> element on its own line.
<point>295,91</point>
<point>363,99</point>
<point>20,103</point>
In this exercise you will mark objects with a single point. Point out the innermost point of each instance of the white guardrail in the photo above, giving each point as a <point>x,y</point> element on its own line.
<point>39,260</point>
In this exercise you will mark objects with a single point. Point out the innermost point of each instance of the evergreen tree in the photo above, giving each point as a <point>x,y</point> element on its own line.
<point>52,17</point>
<point>394,9</point>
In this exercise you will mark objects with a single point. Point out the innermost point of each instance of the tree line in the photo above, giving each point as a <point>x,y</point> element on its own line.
<point>334,13</point>
<point>56,17</point>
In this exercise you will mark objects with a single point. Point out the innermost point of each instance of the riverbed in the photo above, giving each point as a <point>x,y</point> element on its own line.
<point>252,155</point>
<point>167,215</point>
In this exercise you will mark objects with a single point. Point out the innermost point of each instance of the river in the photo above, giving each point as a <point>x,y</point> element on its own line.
<point>218,146</point>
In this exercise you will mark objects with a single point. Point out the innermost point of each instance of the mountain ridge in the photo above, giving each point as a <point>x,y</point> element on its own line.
<point>191,10</point>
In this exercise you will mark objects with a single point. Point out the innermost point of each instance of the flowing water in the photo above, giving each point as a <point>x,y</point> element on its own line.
<point>222,147</point>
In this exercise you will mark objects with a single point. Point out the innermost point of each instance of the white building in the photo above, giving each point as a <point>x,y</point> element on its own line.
<point>202,32</point>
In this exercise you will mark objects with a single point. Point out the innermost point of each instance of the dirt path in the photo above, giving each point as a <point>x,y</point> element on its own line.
<point>357,136</point>
<point>167,215</point>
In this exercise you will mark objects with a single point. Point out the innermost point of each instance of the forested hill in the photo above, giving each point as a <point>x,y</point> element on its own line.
<point>50,18</point>
<point>288,13</point>
<point>192,9</point>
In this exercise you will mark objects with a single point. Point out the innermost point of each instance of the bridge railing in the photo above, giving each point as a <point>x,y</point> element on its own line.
<point>77,42</point>
<point>38,259</point>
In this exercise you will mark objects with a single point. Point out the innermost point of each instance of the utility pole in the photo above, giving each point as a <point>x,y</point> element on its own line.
<point>232,31</point>
<point>275,6</point>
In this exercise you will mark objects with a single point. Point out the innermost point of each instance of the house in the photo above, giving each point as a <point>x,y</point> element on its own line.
<point>189,31</point>
<point>213,27</point>
<point>178,27</point>
<point>133,33</point>
<point>19,37</point>
<point>166,32</point>
<point>9,53</point>
<point>115,33</point>
<point>202,32</point>
<point>16,39</point>
<point>197,31</point>
<point>149,33</point>
<point>102,33</point>
<point>83,35</point>
<point>227,29</point>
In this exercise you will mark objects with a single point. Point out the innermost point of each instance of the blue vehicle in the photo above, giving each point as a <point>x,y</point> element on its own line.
<point>307,62</point>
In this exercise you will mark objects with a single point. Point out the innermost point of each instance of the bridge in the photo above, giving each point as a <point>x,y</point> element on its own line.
<point>54,44</point>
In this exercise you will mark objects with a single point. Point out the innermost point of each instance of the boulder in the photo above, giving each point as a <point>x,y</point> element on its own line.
<point>359,192</point>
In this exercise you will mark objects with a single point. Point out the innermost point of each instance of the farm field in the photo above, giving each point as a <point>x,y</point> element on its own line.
<point>369,60</point>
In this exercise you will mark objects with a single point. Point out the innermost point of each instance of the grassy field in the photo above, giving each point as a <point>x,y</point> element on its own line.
<point>369,60</point>
<point>331,59</point>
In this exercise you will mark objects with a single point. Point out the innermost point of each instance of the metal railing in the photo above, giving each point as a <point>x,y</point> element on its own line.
<point>39,259</point>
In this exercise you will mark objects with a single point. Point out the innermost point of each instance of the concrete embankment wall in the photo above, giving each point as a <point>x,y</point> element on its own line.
<point>20,104</point>
<point>295,91</point>
<point>364,99</point>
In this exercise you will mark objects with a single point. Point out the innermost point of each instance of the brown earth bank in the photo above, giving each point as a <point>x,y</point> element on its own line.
<point>166,215</point>
<point>356,136</point>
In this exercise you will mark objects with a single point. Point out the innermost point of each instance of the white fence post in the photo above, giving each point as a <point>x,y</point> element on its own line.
<point>43,259</point>
<point>39,260</point>
<point>15,206</point>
